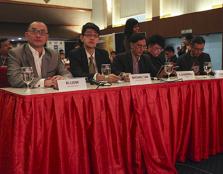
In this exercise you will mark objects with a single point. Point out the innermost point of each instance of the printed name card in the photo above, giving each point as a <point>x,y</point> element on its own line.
<point>137,79</point>
<point>185,75</point>
<point>72,84</point>
<point>218,73</point>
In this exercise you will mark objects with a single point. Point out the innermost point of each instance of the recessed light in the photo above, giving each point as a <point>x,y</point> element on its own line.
<point>19,38</point>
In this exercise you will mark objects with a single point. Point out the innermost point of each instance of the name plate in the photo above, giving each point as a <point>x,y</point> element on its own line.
<point>137,79</point>
<point>72,84</point>
<point>218,73</point>
<point>185,75</point>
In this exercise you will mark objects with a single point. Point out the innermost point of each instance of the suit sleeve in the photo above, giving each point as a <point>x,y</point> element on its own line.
<point>76,66</point>
<point>14,72</point>
<point>62,70</point>
<point>117,66</point>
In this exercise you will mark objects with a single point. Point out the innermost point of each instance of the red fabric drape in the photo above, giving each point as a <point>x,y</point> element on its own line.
<point>126,130</point>
<point>3,77</point>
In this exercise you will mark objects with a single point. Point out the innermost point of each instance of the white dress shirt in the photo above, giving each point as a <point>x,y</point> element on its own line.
<point>38,63</point>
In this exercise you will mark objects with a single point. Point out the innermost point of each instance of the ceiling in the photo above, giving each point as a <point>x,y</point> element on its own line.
<point>63,22</point>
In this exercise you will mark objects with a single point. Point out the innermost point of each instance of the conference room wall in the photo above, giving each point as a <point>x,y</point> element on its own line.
<point>213,47</point>
<point>201,23</point>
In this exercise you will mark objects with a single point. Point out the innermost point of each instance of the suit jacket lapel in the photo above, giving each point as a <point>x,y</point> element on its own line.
<point>129,60</point>
<point>84,59</point>
<point>45,63</point>
<point>30,59</point>
<point>98,60</point>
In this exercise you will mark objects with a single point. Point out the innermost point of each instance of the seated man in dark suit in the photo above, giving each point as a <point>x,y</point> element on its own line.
<point>86,61</point>
<point>46,65</point>
<point>194,60</point>
<point>134,61</point>
<point>155,47</point>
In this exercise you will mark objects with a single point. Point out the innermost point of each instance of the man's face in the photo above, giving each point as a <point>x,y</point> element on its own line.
<point>37,35</point>
<point>197,49</point>
<point>155,50</point>
<point>139,47</point>
<point>90,38</point>
<point>4,48</point>
<point>169,54</point>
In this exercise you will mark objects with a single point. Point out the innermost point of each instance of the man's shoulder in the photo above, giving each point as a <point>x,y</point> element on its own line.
<point>101,51</point>
<point>123,55</point>
<point>205,55</point>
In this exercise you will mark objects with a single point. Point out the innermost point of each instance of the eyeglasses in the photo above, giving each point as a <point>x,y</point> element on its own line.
<point>198,49</point>
<point>91,35</point>
<point>141,46</point>
<point>40,32</point>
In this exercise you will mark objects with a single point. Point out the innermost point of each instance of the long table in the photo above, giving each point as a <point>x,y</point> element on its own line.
<point>122,130</point>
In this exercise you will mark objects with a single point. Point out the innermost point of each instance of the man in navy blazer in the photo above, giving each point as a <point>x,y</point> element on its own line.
<point>134,61</point>
<point>86,61</point>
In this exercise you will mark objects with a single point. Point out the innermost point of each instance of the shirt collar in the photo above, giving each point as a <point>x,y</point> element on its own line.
<point>36,53</point>
<point>89,55</point>
<point>134,58</point>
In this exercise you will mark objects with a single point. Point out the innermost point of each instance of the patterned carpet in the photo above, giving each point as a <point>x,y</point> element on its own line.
<point>213,165</point>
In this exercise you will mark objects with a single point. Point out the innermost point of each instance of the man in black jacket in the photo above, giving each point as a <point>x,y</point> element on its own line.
<point>134,61</point>
<point>194,60</point>
<point>86,61</point>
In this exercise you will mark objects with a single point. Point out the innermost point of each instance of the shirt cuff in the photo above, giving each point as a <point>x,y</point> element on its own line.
<point>95,75</point>
<point>40,83</point>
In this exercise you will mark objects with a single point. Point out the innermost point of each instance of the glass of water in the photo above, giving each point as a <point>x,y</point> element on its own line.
<point>27,75</point>
<point>207,67</point>
<point>168,68</point>
<point>106,70</point>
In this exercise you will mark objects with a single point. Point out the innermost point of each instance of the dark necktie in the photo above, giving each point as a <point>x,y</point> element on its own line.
<point>91,65</point>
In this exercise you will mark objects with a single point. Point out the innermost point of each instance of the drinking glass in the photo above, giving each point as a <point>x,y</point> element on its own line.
<point>207,67</point>
<point>27,75</point>
<point>168,68</point>
<point>106,70</point>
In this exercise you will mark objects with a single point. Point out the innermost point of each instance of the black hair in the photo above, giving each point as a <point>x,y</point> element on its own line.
<point>156,39</point>
<point>136,37</point>
<point>198,40</point>
<point>129,25</point>
<point>188,36</point>
<point>169,49</point>
<point>90,25</point>
<point>2,40</point>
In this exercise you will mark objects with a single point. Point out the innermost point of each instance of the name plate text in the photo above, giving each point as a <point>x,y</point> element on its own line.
<point>137,79</point>
<point>72,84</point>
<point>185,75</point>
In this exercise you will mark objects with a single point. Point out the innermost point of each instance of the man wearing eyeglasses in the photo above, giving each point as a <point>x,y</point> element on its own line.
<point>86,61</point>
<point>155,45</point>
<point>133,61</point>
<point>194,60</point>
<point>46,65</point>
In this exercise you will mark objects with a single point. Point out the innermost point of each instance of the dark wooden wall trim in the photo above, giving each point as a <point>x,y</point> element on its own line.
<point>205,22</point>
<point>44,5</point>
<point>200,22</point>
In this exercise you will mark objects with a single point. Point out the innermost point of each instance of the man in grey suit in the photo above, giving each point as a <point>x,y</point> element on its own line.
<point>47,66</point>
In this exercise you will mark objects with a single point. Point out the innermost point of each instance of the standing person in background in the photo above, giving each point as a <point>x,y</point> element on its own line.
<point>185,44</point>
<point>5,46</point>
<point>112,56</point>
<point>46,64</point>
<point>86,61</point>
<point>131,26</point>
